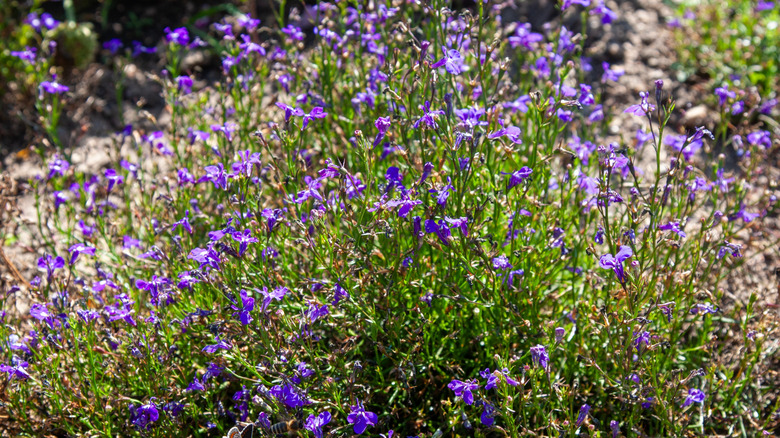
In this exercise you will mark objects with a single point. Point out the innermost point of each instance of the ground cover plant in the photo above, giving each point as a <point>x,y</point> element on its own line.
<point>392,219</point>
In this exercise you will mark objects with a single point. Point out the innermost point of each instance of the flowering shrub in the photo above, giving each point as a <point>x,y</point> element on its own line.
<point>370,211</point>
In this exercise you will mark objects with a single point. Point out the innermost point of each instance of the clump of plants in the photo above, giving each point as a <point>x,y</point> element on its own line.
<point>394,219</point>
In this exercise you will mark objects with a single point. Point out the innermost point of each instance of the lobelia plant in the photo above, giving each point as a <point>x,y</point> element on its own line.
<point>348,228</point>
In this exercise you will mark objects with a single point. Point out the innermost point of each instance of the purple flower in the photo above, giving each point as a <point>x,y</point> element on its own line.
<point>766,107</point>
<point>315,424</point>
<point>488,412</point>
<point>28,54</point>
<point>539,356</point>
<point>609,74</point>
<point>452,62</point>
<point>130,242</point>
<point>158,287</point>
<point>607,15</point>
<point>294,32</point>
<point>615,427</point>
<point>470,117</point>
<point>494,378</point>
<point>46,20</point>
<point>694,396</point>
<point>641,109</point>
<point>50,264</point>
<point>143,416</point>
<point>668,310</point>
<point>183,222</point>
<point>314,313</point>
<point>641,341</point>
<point>226,30</point>
<point>737,108</point>
<point>16,370</point>
<point>178,36</point>
<point>316,113</point>
<point>220,345</point>
<point>289,111</point>
<point>382,125</point>
<point>228,128</point>
<point>460,223</point>
<point>311,191</point>
<point>157,140</point>
<point>123,309</point>
<point>463,389</point>
<point>277,294</point>
<point>247,306</point>
<point>53,87</point>
<point>38,23</point>
<point>248,46</point>
<point>583,414</point>
<point>339,293</point>
<point>78,249</point>
<point>195,385</point>
<point>615,263</point>
<point>568,3</point>
<point>721,182</point>
<point>560,332</point>
<point>361,418</point>
<point>113,177</point>
<point>674,227</point>
<point>228,62</point>
<point>41,313</point>
<point>113,45</point>
<point>724,94</point>
<point>441,229</point>
<point>429,117</point>
<point>248,22</point>
<point>184,84</point>
<point>213,370</point>
<point>524,37</point>
<point>599,237</point>
<point>729,248</point>
<point>745,216</point>
<point>518,176</point>
<point>703,309</point>
<point>512,132</point>
<point>57,166</point>
<point>215,174</point>
<point>14,343</point>
<point>139,48</point>
<point>501,262</point>
<point>443,193</point>
<point>760,138</point>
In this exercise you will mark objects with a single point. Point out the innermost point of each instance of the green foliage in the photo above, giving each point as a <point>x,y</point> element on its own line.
<point>355,174</point>
<point>730,41</point>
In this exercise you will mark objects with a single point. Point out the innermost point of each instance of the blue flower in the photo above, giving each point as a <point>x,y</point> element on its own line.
<point>452,62</point>
<point>244,313</point>
<point>583,414</point>
<point>615,263</point>
<point>361,418</point>
<point>16,370</point>
<point>143,416</point>
<point>314,424</point>
<point>694,396</point>
<point>463,389</point>
<point>539,356</point>
<point>488,412</point>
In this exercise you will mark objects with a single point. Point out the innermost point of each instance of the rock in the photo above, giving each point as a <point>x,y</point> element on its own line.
<point>696,115</point>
